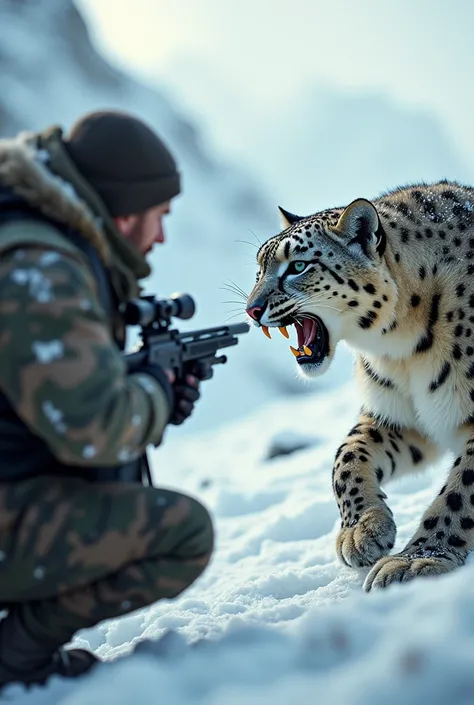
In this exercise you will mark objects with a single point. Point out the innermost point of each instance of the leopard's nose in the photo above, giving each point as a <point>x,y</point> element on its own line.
<point>257,310</point>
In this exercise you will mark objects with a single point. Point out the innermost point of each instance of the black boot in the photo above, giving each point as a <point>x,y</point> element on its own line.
<point>26,659</point>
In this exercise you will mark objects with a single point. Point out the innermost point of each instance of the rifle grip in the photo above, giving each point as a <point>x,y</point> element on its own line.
<point>219,360</point>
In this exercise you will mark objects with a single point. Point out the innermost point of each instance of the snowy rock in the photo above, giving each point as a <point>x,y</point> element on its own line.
<point>289,442</point>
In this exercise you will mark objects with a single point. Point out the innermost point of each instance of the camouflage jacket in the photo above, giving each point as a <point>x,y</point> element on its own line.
<point>60,366</point>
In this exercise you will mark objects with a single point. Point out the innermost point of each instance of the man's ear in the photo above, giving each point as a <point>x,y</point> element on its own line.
<point>125,223</point>
<point>288,219</point>
<point>360,225</point>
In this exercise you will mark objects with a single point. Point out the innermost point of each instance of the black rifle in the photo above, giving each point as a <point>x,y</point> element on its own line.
<point>169,348</point>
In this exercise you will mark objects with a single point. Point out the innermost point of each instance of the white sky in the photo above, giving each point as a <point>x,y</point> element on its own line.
<point>234,61</point>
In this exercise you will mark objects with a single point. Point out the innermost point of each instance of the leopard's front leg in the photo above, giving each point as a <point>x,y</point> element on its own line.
<point>372,454</point>
<point>446,533</point>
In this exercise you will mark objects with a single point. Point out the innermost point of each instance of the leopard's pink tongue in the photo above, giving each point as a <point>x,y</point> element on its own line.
<point>309,331</point>
<point>306,331</point>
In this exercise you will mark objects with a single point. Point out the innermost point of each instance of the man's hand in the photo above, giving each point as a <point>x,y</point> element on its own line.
<point>186,391</point>
<point>186,394</point>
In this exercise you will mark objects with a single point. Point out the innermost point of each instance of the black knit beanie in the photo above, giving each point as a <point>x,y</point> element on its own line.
<point>128,165</point>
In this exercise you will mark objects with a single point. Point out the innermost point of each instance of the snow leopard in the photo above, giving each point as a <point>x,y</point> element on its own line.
<point>393,278</point>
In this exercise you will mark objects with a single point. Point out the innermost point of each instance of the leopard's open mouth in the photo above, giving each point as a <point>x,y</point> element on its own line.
<point>312,339</point>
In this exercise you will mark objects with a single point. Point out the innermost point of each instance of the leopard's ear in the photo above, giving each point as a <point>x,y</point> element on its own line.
<point>360,225</point>
<point>288,219</point>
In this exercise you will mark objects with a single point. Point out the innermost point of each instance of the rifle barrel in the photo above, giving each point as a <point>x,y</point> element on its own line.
<point>194,344</point>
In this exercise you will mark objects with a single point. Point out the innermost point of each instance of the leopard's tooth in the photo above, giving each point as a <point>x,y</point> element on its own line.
<point>266,331</point>
<point>283,331</point>
<point>307,351</point>
<point>295,352</point>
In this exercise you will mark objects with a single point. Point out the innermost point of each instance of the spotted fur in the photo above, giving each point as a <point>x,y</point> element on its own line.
<point>393,278</point>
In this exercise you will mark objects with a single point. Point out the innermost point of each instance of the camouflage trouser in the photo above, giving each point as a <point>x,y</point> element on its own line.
<point>74,553</point>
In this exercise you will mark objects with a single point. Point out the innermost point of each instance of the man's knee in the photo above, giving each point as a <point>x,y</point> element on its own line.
<point>197,532</point>
<point>182,545</point>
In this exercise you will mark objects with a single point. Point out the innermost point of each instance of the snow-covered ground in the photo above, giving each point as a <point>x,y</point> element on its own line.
<point>276,619</point>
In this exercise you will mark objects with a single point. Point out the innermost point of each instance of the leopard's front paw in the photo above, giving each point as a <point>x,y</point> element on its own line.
<point>405,566</point>
<point>372,537</point>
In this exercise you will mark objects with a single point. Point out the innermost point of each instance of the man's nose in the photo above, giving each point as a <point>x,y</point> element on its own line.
<point>257,310</point>
<point>160,236</point>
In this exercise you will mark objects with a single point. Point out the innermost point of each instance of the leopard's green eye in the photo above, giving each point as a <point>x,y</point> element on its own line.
<point>297,267</point>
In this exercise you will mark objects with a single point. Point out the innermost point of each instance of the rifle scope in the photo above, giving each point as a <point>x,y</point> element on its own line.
<point>147,310</point>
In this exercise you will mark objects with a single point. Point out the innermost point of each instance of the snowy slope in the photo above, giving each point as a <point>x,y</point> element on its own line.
<point>51,73</point>
<point>375,144</point>
<point>323,144</point>
<point>276,619</point>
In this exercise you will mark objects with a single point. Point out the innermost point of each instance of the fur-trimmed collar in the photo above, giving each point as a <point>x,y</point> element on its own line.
<point>23,168</point>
